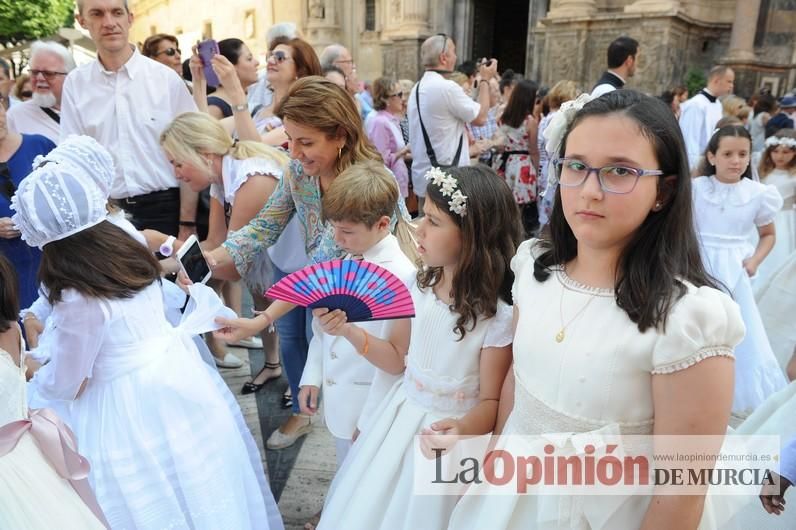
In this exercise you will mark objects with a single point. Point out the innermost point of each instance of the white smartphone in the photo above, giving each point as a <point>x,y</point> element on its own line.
<point>193,262</point>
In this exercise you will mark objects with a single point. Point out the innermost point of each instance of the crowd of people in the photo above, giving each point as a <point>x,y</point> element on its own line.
<point>652,299</point>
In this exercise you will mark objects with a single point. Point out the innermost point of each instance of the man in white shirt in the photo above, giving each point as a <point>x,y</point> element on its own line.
<point>445,109</point>
<point>124,101</point>
<point>622,60</point>
<point>49,64</point>
<point>700,114</point>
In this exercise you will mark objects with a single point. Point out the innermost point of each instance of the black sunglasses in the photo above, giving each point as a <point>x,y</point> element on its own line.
<point>279,56</point>
<point>399,94</point>
<point>171,52</point>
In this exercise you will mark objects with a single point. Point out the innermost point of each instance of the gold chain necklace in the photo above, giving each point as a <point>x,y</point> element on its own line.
<point>561,333</point>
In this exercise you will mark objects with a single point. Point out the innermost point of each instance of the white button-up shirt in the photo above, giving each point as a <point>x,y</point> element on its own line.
<point>29,118</point>
<point>126,111</point>
<point>445,109</point>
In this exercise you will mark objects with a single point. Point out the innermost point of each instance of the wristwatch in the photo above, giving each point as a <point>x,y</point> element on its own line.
<point>240,108</point>
<point>167,248</point>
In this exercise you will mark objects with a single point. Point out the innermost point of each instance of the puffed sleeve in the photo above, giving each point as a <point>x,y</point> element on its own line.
<point>500,332</point>
<point>78,332</point>
<point>704,323</point>
<point>521,264</point>
<point>770,203</point>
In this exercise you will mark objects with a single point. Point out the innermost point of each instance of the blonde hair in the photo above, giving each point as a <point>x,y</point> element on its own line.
<point>459,78</point>
<point>318,103</point>
<point>364,193</point>
<point>194,133</point>
<point>732,105</point>
<point>562,92</point>
<point>766,165</point>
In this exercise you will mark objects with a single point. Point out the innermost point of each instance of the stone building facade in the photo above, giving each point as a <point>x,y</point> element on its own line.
<point>548,40</point>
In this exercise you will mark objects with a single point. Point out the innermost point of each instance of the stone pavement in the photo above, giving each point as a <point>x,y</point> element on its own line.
<point>299,475</point>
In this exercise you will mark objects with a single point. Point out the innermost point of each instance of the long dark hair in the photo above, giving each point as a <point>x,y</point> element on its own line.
<point>9,296</point>
<point>664,250</point>
<point>735,131</point>
<point>99,262</point>
<point>490,232</point>
<point>520,105</point>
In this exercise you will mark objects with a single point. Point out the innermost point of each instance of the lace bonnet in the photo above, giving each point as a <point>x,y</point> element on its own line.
<point>66,193</point>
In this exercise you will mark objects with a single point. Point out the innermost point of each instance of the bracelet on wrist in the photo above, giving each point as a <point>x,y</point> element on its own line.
<point>364,351</point>
<point>188,223</point>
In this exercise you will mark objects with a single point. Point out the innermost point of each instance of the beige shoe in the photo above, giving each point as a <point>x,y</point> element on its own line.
<point>280,440</point>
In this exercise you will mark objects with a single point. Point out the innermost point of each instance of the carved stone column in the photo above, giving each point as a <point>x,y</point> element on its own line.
<point>742,39</point>
<point>572,8</point>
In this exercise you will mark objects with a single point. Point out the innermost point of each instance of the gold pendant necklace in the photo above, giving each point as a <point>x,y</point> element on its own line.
<point>562,332</point>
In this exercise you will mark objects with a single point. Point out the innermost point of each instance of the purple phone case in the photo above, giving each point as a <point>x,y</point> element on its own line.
<point>207,49</point>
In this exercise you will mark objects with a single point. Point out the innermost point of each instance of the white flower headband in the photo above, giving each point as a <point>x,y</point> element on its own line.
<point>774,141</point>
<point>448,187</point>
<point>554,133</point>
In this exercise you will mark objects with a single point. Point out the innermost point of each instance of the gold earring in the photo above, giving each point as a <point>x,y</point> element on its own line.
<point>339,152</point>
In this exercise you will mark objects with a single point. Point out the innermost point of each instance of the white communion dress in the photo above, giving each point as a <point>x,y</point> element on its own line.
<point>373,488</point>
<point>33,496</point>
<point>597,380</point>
<point>167,443</point>
<point>785,224</point>
<point>724,214</point>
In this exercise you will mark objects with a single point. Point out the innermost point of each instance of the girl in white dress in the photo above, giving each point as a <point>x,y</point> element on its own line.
<point>619,328</point>
<point>454,354</point>
<point>34,494</point>
<point>728,205</point>
<point>778,168</point>
<point>167,443</point>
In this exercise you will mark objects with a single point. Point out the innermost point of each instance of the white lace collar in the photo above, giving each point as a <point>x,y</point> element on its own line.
<point>724,194</point>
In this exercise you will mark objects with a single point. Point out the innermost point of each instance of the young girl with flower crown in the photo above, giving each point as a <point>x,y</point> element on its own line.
<point>778,168</point>
<point>453,355</point>
<point>728,205</point>
<point>633,336</point>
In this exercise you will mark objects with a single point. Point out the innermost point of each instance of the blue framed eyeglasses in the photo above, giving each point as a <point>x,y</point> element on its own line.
<point>613,178</point>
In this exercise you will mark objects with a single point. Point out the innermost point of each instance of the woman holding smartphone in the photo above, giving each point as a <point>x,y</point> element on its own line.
<point>241,177</point>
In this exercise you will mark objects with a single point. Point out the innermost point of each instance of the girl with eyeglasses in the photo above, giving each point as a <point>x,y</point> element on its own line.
<point>17,152</point>
<point>618,327</point>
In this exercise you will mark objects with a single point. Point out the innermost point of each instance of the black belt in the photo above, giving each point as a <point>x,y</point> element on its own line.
<point>129,201</point>
<point>504,157</point>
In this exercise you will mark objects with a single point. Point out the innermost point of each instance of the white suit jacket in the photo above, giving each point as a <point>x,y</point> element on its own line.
<point>351,385</point>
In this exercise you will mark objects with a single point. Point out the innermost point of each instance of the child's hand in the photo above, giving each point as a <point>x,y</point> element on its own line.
<point>751,266</point>
<point>772,496</point>
<point>332,322</point>
<point>308,399</point>
<point>236,329</point>
<point>441,435</point>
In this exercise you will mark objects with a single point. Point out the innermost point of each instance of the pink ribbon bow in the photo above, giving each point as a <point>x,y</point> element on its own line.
<point>58,444</point>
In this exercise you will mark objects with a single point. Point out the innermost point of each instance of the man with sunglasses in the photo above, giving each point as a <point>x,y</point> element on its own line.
<point>124,101</point>
<point>49,65</point>
<point>438,110</point>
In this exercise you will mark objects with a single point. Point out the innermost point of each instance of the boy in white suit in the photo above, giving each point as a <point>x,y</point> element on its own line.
<point>358,205</point>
